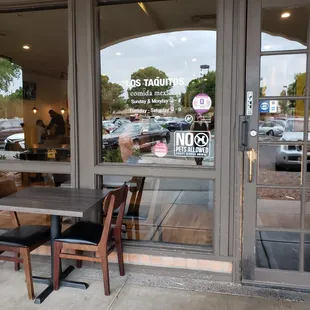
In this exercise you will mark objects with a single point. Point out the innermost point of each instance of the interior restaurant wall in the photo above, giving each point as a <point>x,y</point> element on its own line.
<point>51,93</point>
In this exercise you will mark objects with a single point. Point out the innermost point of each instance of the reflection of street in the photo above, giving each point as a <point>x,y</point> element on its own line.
<point>268,175</point>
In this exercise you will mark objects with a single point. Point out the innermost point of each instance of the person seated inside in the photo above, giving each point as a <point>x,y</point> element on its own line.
<point>40,131</point>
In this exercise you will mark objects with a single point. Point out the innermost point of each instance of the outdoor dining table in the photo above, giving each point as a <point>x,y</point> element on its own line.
<point>57,202</point>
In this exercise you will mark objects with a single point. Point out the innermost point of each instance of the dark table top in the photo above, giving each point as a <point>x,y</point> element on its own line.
<point>53,201</point>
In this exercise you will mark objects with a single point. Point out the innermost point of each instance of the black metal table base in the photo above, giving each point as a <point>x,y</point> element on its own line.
<point>63,282</point>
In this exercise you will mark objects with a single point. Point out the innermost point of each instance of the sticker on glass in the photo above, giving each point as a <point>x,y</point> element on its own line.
<point>192,144</point>
<point>160,149</point>
<point>202,103</point>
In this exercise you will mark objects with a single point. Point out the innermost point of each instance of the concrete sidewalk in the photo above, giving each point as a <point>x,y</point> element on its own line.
<point>144,289</point>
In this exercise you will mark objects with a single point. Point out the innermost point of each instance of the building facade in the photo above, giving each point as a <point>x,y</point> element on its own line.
<point>200,105</point>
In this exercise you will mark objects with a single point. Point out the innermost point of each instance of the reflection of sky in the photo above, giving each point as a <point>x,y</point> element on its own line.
<point>168,52</point>
<point>274,43</point>
<point>278,71</point>
<point>171,53</point>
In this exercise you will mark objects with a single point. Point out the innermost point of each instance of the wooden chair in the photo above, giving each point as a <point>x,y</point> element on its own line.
<point>132,217</point>
<point>7,188</point>
<point>21,240</point>
<point>94,237</point>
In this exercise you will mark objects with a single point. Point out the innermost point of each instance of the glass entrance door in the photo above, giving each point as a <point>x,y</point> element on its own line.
<point>276,245</point>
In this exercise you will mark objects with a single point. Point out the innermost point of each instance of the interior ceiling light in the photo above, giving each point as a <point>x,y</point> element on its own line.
<point>26,47</point>
<point>118,54</point>
<point>285,14</point>
<point>183,39</point>
<point>194,60</point>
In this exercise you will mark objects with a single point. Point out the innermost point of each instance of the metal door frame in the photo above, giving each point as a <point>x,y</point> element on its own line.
<point>250,273</point>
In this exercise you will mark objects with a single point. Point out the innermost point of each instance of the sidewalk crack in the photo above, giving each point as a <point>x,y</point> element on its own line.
<point>118,293</point>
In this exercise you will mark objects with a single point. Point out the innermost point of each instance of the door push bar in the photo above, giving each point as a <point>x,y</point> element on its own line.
<point>243,133</point>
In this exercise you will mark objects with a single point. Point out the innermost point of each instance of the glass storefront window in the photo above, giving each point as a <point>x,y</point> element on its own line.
<point>157,88</point>
<point>23,180</point>
<point>172,211</point>
<point>34,107</point>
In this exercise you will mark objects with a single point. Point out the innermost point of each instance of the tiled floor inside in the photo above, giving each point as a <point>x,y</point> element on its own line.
<point>143,289</point>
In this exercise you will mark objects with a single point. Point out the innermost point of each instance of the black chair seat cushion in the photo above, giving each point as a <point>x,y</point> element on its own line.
<point>25,236</point>
<point>82,233</point>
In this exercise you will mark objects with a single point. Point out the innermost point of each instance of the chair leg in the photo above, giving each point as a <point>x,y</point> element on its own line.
<point>57,250</point>
<point>105,273</point>
<point>120,257</point>
<point>79,262</point>
<point>25,254</point>
<point>17,265</point>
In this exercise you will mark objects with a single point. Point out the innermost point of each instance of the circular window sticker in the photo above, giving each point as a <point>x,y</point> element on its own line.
<point>202,103</point>
<point>160,149</point>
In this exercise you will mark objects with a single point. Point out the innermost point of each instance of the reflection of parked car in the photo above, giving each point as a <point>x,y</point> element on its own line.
<point>15,142</point>
<point>108,126</point>
<point>161,121</point>
<point>118,122</point>
<point>273,128</point>
<point>140,133</point>
<point>175,123</point>
<point>289,156</point>
<point>9,127</point>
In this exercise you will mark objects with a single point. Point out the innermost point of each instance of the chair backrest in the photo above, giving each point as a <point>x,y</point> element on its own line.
<point>116,199</point>
<point>7,188</point>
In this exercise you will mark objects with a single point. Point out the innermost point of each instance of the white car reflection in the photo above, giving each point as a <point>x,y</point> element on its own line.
<point>15,142</point>
<point>290,156</point>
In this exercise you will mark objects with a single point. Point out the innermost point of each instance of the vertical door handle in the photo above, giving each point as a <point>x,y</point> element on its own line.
<point>251,154</point>
<point>243,133</point>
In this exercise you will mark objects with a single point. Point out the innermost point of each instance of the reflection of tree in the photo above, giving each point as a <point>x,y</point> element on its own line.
<point>111,96</point>
<point>204,84</point>
<point>8,72</point>
<point>154,92</point>
<point>285,105</point>
<point>298,87</point>
<point>12,105</point>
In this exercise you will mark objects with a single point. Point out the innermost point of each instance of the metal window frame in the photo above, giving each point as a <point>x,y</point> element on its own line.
<point>225,124</point>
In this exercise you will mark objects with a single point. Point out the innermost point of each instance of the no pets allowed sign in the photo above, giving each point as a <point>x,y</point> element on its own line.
<point>192,144</point>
